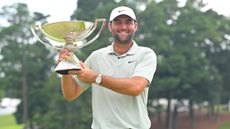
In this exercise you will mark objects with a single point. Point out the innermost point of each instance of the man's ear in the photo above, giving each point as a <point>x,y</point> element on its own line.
<point>136,26</point>
<point>109,26</point>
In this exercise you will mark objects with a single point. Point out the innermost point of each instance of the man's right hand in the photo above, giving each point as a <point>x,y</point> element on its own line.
<point>63,55</point>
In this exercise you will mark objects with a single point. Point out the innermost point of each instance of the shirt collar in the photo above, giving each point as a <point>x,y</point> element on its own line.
<point>131,51</point>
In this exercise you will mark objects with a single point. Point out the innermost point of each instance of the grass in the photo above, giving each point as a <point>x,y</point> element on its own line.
<point>9,122</point>
<point>226,125</point>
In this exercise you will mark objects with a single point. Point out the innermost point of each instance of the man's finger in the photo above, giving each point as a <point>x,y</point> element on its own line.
<point>74,72</point>
<point>83,66</point>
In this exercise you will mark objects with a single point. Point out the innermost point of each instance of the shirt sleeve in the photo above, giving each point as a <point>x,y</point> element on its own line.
<point>146,65</point>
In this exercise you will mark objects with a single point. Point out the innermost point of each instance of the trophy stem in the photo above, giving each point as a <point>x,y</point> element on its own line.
<point>71,63</point>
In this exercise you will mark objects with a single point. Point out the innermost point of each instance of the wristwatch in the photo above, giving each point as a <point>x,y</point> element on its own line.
<point>98,79</point>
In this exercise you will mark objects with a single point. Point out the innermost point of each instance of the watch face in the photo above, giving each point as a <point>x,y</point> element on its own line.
<point>98,79</point>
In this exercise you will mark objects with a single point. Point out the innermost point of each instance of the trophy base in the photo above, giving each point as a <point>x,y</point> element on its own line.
<point>66,71</point>
<point>65,66</point>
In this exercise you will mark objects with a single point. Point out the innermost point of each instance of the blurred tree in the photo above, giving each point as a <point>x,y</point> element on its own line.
<point>184,71</point>
<point>200,75</point>
<point>63,114</point>
<point>217,51</point>
<point>23,68</point>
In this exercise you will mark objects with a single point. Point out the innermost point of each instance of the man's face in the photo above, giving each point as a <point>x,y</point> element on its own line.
<point>123,29</point>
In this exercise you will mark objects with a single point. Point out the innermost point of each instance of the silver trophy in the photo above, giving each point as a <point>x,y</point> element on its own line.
<point>71,35</point>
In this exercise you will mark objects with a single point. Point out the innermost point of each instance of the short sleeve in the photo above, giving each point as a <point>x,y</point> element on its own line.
<point>146,65</point>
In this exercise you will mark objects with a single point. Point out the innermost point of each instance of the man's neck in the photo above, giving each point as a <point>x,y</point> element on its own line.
<point>122,48</point>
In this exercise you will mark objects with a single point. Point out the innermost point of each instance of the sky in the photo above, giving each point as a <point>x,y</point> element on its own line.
<point>62,9</point>
<point>58,9</point>
<point>221,6</point>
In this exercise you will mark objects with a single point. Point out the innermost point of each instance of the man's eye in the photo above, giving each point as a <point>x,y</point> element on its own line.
<point>129,22</point>
<point>117,22</point>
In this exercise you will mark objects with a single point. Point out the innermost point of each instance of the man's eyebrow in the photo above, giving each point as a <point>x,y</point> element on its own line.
<point>118,19</point>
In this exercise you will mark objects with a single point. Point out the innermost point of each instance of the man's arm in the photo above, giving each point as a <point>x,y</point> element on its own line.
<point>129,86</point>
<point>70,89</point>
<point>133,86</point>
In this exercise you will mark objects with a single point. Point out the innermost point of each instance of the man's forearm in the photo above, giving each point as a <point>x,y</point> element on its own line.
<point>70,88</point>
<point>129,86</point>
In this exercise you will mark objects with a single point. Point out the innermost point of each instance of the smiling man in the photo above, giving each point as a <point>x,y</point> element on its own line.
<point>119,75</point>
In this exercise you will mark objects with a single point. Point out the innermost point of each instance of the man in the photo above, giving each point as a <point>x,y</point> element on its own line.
<point>119,75</point>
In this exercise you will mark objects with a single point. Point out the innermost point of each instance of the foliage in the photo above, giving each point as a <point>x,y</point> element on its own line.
<point>61,113</point>
<point>22,67</point>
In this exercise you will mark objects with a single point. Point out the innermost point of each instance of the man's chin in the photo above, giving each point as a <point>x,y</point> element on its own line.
<point>124,41</point>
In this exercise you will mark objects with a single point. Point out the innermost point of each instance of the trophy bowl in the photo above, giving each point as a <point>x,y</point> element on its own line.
<point>68,34</point>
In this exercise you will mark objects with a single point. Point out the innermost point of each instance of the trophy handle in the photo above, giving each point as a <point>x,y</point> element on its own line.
<point>98,33</point>
<point>47,44</point>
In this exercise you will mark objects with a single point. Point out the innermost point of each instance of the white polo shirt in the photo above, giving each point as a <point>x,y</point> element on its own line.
<point>112,110</point>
